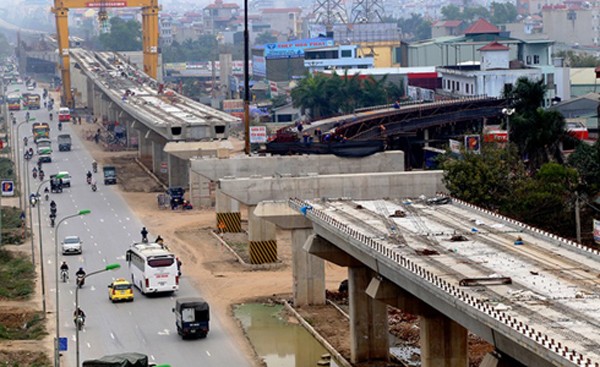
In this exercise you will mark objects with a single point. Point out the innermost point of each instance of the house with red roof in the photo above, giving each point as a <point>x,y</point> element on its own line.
<point>492,74</point>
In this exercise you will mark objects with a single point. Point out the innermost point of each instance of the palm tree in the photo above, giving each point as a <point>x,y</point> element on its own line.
<point>310,94</point>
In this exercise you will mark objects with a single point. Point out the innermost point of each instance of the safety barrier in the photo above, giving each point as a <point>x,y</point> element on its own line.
<point>263,252</point>
<point>229,222</point>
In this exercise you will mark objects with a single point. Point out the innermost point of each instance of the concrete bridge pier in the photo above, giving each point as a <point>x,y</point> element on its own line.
<point>308,271</point>
<point>443,341</point>
<point>227,209</point>
<point>144,145</point>
<point>368,319</point>
<point>262,239</point>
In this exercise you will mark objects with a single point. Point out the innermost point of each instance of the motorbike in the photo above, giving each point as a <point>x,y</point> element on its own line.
<point>64,275</point>
<point>25,140</point>
<point>51,118</point>
<point>79,322</point>
<point>80,280</point>
<point>95,167</point>
<point>94,187</point>
<point>34,174</point>
<point>60,126</point>
<point>33,200</point>
<point>41,175</point>
<point>46,196</point>
<point>52,221</point>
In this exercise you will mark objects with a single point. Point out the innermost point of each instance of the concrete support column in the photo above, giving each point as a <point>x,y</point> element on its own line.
<point>426,137</point>
<point>308,271</point>
<point>145,148</point>
<point>229,218</point>
<point>368,320</point>
<point>262,238</point>
<point>443,341</point>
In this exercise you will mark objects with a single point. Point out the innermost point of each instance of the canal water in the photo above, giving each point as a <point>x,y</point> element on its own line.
<point>278,342</point>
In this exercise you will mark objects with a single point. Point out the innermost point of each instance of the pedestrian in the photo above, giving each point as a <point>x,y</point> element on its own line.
<point>144,233</point>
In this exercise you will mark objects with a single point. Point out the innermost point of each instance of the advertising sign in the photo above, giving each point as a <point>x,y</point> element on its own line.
<point>454,146</point>
<point>106,4</point>
<point>233,105</point>
<point>259,66</point>
<point>258,134</point>
<point>472,143</point>
<point>8,188</point>
<point>597,231</point>
<point>294,49</point>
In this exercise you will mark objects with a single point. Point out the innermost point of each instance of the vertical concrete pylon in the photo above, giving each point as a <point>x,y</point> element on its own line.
<point>308,271</point>
<point>368,319</point>
<point>443,341</point>
<point>262,239</point>
<point>227,209</point>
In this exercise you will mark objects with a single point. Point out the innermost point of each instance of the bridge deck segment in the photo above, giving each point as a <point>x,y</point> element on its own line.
<point>548,315</point>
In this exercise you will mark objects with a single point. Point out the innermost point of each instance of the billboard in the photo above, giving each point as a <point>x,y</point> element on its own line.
<point>294,49</point>
<point>259,66</point>
<point>472,143</point>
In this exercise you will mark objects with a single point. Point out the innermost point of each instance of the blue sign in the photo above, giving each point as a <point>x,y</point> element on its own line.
<point>294,49</point>
<point>8,188</point>
<point>62,344</point>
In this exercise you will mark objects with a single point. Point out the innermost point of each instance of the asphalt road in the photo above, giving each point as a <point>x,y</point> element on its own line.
<point>146,325</point>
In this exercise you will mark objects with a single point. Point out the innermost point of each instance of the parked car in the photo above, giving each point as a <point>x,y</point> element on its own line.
<point>71,245</point>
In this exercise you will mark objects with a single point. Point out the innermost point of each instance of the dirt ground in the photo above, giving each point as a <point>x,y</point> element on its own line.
<point>212,269</point>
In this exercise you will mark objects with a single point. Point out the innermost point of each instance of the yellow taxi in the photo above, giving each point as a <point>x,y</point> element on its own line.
<point>120,290</point>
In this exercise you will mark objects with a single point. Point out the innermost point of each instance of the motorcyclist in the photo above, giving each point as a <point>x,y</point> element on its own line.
<point>64,266</point>
<point>46,193</point>
<point>94,187</point>
<point>79,313</point>
<point>144,233</point>
<point>27,116</point>
<point>80,274</point>
<point>89,177</point>
<point>25,140</point>
<point>33,199</point>
<point>59,125</point>
<point>94,166</point>
<point>50,116</point>
<point>41,173</point>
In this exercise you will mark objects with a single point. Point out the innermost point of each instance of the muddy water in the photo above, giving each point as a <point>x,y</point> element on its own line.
<point>278,342</point>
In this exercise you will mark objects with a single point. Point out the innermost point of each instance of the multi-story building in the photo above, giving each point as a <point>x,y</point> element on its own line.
<point>489,77</point>
<point>219,15</point>
<point>283,20</point>
<point>166,30</point>
<point>576,23</point>
<point>336,57</point>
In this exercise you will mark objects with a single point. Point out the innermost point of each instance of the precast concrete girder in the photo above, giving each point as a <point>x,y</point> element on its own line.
<point>508,341</point>
<point>294,166</point>
<point>363,186</point>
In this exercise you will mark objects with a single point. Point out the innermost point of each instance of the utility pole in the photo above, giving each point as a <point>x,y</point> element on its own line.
<point>577,218</point>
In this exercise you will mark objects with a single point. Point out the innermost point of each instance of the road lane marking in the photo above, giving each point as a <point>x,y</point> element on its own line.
<point>112,336</point>
<point>164,332</point>
<point>208,353</point>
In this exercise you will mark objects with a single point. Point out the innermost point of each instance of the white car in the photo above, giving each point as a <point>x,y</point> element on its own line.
<point>71,245</point>
<point>30,87</point>
<point>66,177</point>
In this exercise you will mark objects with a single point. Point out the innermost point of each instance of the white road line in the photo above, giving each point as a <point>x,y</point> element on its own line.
<point>88,345</point>
<point>208,353</point>
<point>112,336</point>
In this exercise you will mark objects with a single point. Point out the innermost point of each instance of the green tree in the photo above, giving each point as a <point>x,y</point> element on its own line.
<point>311,97</point>
<point>576,60</point>
<point>546,200</point>
<point>486,179</point>
<point>468,14</point>
<point>415,27</point>
<point>123,35</point>
<point>586,160</point>
<point>536,132</point>
<point>264,38</point>
<point>503,13</point>
<point>451,12</point>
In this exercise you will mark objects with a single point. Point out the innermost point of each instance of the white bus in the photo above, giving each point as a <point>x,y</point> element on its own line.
<point>153,268</point>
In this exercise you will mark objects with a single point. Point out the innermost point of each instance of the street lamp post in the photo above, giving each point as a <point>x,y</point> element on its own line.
<point>56,341</point>
<point>37,194</point>
<point>507,112</point>
<point>17,157</point>
<point>107,268</point>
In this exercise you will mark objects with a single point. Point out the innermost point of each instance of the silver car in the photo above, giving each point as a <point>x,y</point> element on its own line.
<point>71,245</point>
